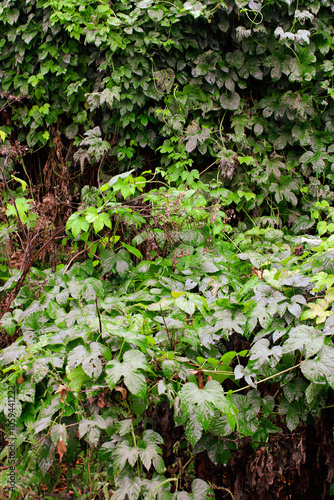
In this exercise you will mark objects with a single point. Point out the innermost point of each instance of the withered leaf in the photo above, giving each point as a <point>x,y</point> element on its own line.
<point>61,449</point>
<point>122,390</point>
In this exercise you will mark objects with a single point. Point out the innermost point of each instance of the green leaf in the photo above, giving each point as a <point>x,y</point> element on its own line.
<point>77,223</point>
<point>186,305</point>
<point>124,453</point>
<point>198,401</point>
<point>77,378</point>
<point>128,485</point>
<point>321,368</point>
<point>133,361</point>
<point>8,323</point>
<point>91,428</point>
<point>151,454</point>
<point>132,250</point>
<point>317,310</point>
<point>58,431</point>
<point>261,354</point>
<point>230,101</point>
<point>304,338</point>
<point>203,402</point>
<point>201,490</point>
<point>193,429</point>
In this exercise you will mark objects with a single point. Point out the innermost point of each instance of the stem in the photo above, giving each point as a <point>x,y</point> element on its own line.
<point>267,378</point>
<point>152,494</point>
<point>98,314</point>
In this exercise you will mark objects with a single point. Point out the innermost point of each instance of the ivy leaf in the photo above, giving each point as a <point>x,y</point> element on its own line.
<point>128,485</point>
<point>133,361</point>
<point>303,337</point>
<point>198,401</point>
<point>91,428</point>
<point>76,357</point>
<point>203,401</point>
<point>294,308</point>
<point>27,392</point>
<point>124,453</point>
<point>261,354</point>
<point>11,353</point>
<point>92,363</point>
<point>58,431</point>
<point>193,429</point>
<point>259,313</point>
<point>151,455</point>
<point>292,417</point>
<point>313,391</point>
<point>186,305</point>
<point>296,280</point>
<point>318,311</point>
<point>230,100</point>
<point>164,79</point>
<point>229,321</point>
<point>112,261</point>
<point>158,486</point>
<point>201,490</point>
<point>108,96</point>
<point>8,323</point>
<point>321,368</point>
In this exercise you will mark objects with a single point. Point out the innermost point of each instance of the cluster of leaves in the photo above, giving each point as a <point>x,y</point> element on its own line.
<point>198,81</point>
<point>108,341</point>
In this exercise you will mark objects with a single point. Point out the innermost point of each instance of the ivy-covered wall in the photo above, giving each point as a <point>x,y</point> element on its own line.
<point>177,86</point>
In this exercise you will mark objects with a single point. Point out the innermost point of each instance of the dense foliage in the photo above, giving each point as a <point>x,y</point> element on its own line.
<point>167,276</point>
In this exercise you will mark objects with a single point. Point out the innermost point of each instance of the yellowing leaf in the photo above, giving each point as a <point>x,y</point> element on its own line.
<point>175,295</point>
<point>23,183</point>
<point>317,311</point>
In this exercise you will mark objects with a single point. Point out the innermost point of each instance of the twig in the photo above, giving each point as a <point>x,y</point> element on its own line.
<point>98,314</point>
<point>169,336</point>
<point>27,267</point>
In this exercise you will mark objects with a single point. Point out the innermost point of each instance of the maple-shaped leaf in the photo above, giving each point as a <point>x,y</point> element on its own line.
<point>124,453</point>
<point>89,359</point>
<point>133,361</point>
<point>203,401</point>
<point>318,311</point>
<point>92,363</point>
<point>305,339</point>
<point>198,401</point>
<point>259,313</point>
<point>261,353</point>
<point>157,488</point>
<point>152,437</point>
<point>91,428</point>
<point>230,322</point>
<point>150,451</point>
<point>321,368</point>
<point>128,486</point>
<point>151,455</point>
